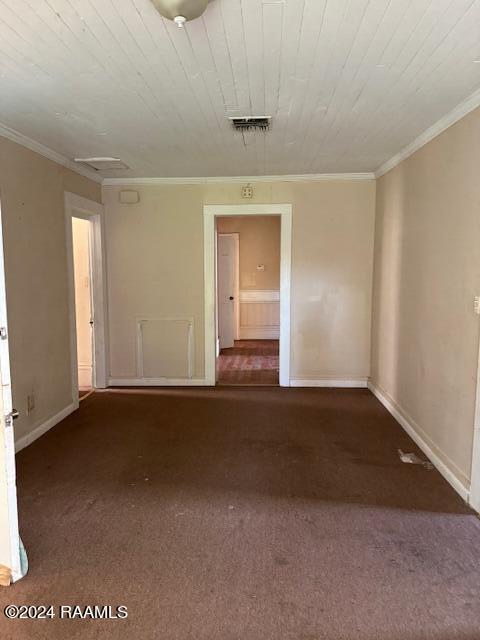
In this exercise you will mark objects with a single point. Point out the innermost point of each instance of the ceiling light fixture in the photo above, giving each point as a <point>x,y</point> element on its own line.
<point>181,11</point>
<point>180,21</point>
<point>102,163</point>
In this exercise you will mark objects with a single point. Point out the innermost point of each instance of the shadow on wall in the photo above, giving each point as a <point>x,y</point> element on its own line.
<point>388,275</point>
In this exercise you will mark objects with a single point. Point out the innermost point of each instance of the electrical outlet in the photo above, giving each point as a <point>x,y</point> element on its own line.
<point>247,192</point>
<point>30,403</point>
<point>476,305</point>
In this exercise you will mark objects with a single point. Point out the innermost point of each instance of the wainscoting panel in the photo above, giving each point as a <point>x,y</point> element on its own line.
<point>164,348</point>
<point>259,315</point>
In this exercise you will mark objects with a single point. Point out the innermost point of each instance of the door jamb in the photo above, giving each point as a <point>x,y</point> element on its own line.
<point>78,207</point>
<point>210,212</point>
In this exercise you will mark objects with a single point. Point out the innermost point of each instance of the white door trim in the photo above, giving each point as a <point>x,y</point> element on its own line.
<point>78,207</point>
<point>210,212</point>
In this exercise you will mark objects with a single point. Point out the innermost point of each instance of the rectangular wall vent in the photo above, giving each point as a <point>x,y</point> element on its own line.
<point>261,123</point>
<point>102,164</point>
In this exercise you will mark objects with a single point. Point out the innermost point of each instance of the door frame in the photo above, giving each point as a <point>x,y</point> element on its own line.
<point>78,207</point>
<point>236,293</point>
<point>210,212</point>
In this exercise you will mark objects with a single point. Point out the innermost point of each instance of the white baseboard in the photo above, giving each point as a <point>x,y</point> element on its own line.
<point>259,333</point>
<point>158,382</point>
<point>356,383</point>
<point>85,375</point>
<point>449,471</point>
<point>28,438</point>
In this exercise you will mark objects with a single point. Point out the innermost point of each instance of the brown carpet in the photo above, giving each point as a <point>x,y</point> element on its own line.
<point>250,362</point>
<point>242,514</point>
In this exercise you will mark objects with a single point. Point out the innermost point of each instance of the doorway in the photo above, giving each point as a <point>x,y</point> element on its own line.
<point>277,344</point>
<point>87,294</point>
<point>81,239</point>
<point>248,299</point>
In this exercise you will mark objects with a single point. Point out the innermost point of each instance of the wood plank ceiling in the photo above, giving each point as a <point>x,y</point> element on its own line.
<point>347,82</point>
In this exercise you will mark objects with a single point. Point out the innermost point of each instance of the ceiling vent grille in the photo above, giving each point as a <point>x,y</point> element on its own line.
<point>103,164</point>
<point>255,123</point>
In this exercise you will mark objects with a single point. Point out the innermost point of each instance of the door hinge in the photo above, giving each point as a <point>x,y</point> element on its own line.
<point>3,333</point>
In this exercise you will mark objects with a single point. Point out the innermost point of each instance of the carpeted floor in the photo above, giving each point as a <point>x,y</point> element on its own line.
<point>250,362</point>
<point>242,514</point>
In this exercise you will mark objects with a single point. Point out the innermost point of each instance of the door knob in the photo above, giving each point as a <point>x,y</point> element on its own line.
<point>10,417</point>
<point>231,298</point>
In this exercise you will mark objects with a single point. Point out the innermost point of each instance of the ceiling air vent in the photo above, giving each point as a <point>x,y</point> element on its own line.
<point>261,123</point>
<point>102,164</point>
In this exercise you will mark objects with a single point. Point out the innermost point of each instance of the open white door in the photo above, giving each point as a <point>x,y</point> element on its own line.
<point>84,303</point>
<point>10,561</point>
<point>227,258</point>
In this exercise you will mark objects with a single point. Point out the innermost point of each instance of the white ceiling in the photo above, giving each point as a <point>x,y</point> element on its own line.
<point>349,83</point>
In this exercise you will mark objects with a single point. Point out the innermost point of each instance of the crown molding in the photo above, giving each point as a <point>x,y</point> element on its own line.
<point>456,114</point>
<point>46,152</point>
<point>309,177</point>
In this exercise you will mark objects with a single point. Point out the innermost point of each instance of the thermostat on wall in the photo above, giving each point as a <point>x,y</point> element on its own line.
<point>129,197</point>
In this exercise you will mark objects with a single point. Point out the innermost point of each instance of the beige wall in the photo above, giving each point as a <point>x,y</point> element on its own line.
<point>155,269</point>
<point>259,244</point>
<point>32,199</point>
<point>427,272</point>
<point>81,265</point>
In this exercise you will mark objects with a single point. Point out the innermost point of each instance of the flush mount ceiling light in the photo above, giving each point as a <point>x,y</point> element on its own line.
<point>102,164</point>
<point>181,11</point>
